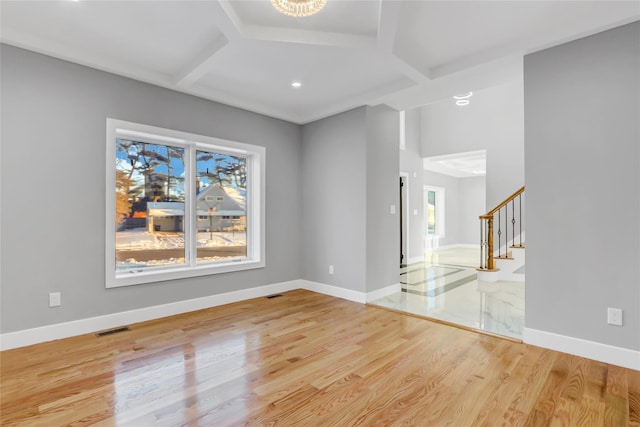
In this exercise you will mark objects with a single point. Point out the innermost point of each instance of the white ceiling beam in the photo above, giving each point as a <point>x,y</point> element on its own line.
<point>322,38</point>
<point>388,21</point>
<point>353,101</point>
<point>388,17</point>
<point>201,64</point>
<point>226,20</point>
<point>504,70</point>
<point>403,67</point>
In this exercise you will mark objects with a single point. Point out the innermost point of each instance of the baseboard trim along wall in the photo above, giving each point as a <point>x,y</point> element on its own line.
<point>334,291</point>
<point>452,246</point>
<point>415,259</point>
<point>592,350</point>
<point>602,352</point>
<point>93,324</point>
<point>384,292</point>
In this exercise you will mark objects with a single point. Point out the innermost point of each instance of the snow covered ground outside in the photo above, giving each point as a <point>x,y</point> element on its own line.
<point>140,238</point>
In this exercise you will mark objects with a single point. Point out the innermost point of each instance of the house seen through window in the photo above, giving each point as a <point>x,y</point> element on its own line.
<point>182,206</point>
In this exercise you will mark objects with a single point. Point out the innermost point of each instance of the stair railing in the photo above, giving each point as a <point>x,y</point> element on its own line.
<point>492,221</point>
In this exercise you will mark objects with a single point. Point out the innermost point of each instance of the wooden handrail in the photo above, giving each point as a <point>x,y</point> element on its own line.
<point>487,259</point>
<point>503,204</point>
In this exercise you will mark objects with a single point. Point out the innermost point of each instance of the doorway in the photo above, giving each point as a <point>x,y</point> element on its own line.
<point>404,218</point>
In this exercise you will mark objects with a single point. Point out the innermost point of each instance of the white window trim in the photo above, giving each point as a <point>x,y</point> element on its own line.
<point>440,218</point>
<point>256,189</point>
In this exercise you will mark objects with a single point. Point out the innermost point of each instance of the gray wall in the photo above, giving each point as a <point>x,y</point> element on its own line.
<point>582,103</point>
<point>451,206</point>
<point>334,200</point>
<point>350,179</point>
<point>383,228</point>
<point>53,168</point>
<point>464,201</point>
<point>411,163</point>
<point>471,193</point>
<point>493,121</point>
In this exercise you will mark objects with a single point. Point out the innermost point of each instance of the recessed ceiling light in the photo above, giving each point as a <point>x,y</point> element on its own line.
<point>296,84</point>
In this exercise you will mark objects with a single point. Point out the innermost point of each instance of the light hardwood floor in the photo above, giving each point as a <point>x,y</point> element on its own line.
<point>306,359</point>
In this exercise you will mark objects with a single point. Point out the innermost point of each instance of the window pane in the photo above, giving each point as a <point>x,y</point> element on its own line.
<point>149,205</point>
<point>431,212</point>
<point>221,206</point>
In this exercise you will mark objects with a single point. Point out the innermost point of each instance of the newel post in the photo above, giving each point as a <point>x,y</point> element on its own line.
<point>490,262</point>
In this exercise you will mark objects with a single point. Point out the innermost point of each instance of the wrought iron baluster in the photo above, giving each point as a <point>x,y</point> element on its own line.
<point>506,230</point>
<point>513,221</point>
<point>499,233</point>
<point>490,262</point>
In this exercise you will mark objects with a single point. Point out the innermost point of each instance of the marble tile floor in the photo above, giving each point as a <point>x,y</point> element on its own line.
<point>452,293</point>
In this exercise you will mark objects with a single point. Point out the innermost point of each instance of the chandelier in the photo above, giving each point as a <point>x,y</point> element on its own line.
<point>298,8</point>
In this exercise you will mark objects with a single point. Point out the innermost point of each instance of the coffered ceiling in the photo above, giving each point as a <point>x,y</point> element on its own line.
<point>352,53</point>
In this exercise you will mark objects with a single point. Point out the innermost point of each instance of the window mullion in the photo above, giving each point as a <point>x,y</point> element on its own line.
<point>190,208</point>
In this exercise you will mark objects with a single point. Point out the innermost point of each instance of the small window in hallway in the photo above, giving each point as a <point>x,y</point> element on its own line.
<point>431,213</point>
<point>434,211</point>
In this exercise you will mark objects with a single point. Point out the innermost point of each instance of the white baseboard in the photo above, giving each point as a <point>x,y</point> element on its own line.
<point>415,259</point>
<point>93,324</point>
<point>85,326</point>
<point>453,246</point>
<point>386,291</point>
<point>593,350</point>
<point>467,245</point>
<point>334,291</point>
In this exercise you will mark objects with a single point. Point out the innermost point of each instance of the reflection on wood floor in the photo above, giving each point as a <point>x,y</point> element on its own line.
<point>306,359</point>
<point>445,287</point>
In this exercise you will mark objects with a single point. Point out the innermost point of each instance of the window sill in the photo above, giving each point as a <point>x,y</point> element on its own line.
<point>130,278</point>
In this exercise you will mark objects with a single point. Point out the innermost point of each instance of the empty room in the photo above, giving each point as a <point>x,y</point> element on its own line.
<point>319,213</point>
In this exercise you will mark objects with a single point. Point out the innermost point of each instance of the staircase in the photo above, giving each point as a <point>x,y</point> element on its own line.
<point>503,224</point>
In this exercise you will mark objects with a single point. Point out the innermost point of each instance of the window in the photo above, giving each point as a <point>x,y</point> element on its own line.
<point>434,211</point>
<point>180,205</point>
<point>431,212</point>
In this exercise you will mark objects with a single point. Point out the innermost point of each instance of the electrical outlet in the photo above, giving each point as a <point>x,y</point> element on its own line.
<point>54,299</point>
<point>331,269</point>
<point>614,316</point>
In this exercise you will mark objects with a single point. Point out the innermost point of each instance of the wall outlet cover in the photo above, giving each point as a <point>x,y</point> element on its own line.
<point>54,299</point>
<point>614,316</point>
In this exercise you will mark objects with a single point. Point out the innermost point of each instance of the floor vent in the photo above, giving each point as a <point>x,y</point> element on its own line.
<point>274,296</point>
<point>112,331</point>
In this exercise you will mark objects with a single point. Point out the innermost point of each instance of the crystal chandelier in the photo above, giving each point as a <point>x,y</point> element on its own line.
<point>298,8</point>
